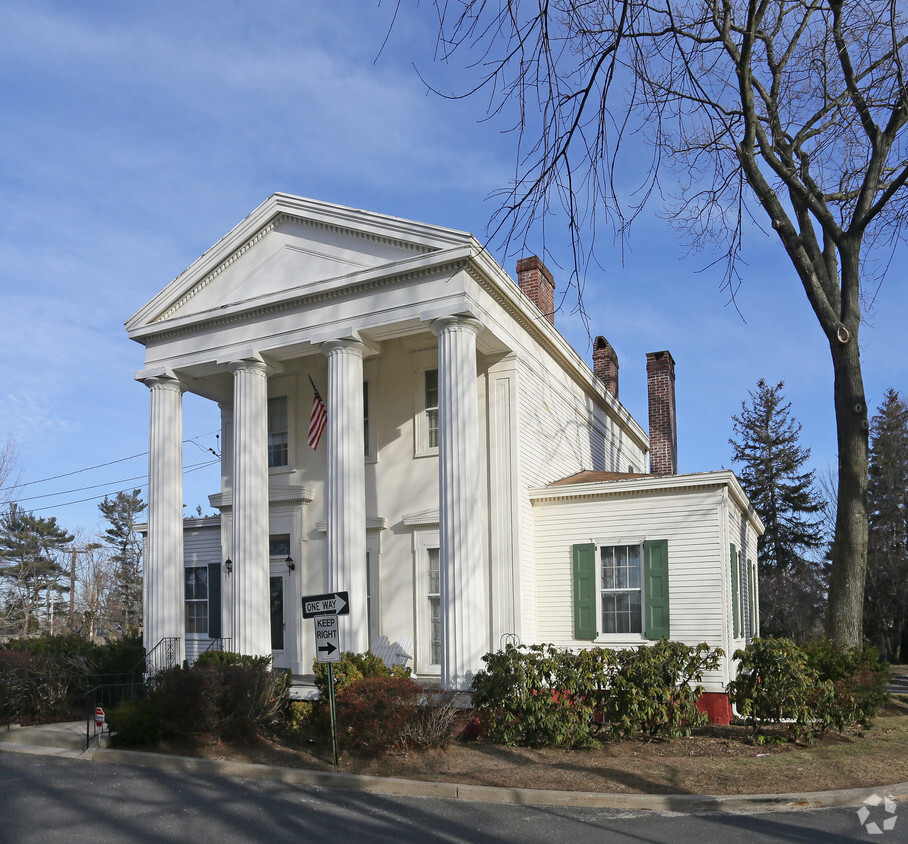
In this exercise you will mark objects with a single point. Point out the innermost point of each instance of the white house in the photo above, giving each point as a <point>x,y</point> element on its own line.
<point>477,483</point>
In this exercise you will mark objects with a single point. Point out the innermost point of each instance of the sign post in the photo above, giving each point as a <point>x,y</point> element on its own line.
<point>324,610</point>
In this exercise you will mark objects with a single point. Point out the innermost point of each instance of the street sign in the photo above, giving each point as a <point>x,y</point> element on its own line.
<point>333,603</point>
<point>99,717</point>
<point>326,647</point>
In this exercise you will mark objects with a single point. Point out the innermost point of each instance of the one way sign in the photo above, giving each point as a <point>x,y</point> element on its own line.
<point>334,603</point>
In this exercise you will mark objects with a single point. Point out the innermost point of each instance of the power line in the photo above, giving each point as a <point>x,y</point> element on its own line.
<point>114,492</point>
<point>109,463</point>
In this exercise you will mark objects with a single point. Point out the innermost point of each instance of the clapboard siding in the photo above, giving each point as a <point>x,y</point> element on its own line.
<point>687,519</point>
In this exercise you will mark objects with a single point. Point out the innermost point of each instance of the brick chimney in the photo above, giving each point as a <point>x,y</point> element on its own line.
<point>605,364</point>
<point>536,281</point>
<point>663,430</point>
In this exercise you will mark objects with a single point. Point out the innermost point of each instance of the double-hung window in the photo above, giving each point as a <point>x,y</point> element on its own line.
<point>278,433</point>
<point>433,597</point>
<point>431,407</point>
<point>196,599</point>
<point>620,592</point>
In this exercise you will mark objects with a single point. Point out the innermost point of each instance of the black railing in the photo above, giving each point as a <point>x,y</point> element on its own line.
<point>164,655</point>
<point>222,644</point>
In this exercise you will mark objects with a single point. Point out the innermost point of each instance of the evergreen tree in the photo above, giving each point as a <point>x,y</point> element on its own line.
<point>126,555</point>
<point>29,550</point>
<point>886,591</point>
<point>782,492</point>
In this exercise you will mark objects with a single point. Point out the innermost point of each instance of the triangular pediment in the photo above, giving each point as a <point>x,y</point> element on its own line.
<point>290,246</point>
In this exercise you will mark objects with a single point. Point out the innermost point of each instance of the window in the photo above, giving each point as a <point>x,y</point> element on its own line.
<point>368,426</point>
<point>279,546</point>
<point>621,589</point>
<point>196,600</point>
<point>278,433</point>
<point>431,407</point>
<point>620,594</point>
<point>434,604</point>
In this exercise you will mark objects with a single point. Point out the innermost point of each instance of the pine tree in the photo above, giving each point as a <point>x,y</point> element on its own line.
<point>886,591</point>
<point>29,550</point>
<point>782,492</point>
<point>126,555</point>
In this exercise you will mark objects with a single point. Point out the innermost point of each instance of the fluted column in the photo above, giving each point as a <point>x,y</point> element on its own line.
<point>251,613</point>
<point>464,616</point>
<point>347,488</point>
<point>164,580</point>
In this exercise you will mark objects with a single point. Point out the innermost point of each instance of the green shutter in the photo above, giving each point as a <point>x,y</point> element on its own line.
<point>754,609</point>
<point>655,589</point>
<point>214,601</point>
<point>735,614</point>
<point>585,591</point>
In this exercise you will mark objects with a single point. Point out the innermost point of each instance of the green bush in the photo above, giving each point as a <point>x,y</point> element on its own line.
<point>539,695</point>
<point>353,666</point>
<point>775,685</point>
<point>135,723</point>
<point>655,689</point>
<point>859,676</point>
<point>220,659</point>
<point>375,713</point>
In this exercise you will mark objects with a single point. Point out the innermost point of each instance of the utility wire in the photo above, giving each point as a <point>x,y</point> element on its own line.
<point>114,492</point>
<point>109,463</point>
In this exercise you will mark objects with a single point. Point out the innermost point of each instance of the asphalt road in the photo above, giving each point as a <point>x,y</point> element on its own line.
<point>46,799</point>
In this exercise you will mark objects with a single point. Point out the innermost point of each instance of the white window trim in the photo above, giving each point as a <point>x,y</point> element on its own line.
<point>371,453</point>
<point>619,637</point>
<point>280,392</point>
<point>204,635</point>
<point>421,447</point>
<point>423,540</point>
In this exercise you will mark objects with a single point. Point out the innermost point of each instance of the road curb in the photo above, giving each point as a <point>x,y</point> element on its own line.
<point>496,794</point>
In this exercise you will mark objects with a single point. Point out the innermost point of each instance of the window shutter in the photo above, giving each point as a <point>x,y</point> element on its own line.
<point>655,589</point>
<point>214,601</point>
<point>585,591</point>
<point>735,614</point>
<point>754,609</point>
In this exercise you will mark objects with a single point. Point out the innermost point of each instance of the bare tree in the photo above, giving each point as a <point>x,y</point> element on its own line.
<point>787,111</point>
<point>9,469</point>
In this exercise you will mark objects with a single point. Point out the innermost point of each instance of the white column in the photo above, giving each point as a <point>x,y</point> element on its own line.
<point>347,488</point>
<point>164,579</point>
<point>464,616</point>
<point>251,612</point>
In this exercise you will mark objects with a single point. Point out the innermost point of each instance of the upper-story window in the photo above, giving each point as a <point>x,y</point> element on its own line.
<point>431,407</point>
<point>368,425</point>
<point>278,433</point>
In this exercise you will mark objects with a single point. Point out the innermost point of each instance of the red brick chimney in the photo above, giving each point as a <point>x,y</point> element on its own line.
<point>663,429</point>
<point>605,364</point>
<point>536,281</point>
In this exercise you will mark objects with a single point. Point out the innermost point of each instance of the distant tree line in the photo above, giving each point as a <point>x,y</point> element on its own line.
<point>795,551</point>
<point>54,581</point>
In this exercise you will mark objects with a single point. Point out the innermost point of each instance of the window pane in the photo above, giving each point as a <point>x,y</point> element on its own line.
<point>196,583</point>
<point>278,428</point>
<point>434,572</point>
<point>197,617</point>
<point>277,613</point>
<point>434,606</point>
<point>279,546</point>
<point>432,408</point>
<point>620,592</point>
<point>366,418</point>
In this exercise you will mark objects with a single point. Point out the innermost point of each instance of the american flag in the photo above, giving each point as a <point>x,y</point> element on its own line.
<point>318,419</point>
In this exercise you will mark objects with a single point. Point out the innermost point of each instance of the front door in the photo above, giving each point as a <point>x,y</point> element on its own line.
<point>278,622</point>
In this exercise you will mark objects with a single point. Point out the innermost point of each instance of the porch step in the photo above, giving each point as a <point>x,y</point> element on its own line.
<point>898,684</point>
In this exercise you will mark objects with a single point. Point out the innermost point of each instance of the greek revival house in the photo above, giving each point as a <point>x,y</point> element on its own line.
<point>477,482</point>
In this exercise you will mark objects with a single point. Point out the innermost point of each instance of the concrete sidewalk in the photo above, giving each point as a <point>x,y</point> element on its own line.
<point>68,740</point>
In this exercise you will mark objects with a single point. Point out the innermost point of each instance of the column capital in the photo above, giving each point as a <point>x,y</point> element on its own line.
<point>160,377</point>
<point>344,345</point>
<point>250,360</point>
<point>456,322</point>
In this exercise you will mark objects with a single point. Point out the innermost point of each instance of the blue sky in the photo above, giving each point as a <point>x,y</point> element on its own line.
<point>135,135</point>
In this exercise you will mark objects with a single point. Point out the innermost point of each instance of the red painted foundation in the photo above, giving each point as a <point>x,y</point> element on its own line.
<point>717,706</point>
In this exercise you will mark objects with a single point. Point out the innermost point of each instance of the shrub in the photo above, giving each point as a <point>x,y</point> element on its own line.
<point>187,700</point>
<point>374,713</point>
<point>298,716</point>
<point>220,659</point>
<point>135,722</point>
<point>353,666</point>
<point>434,722</point>
<point>36,687</point>
<point>775,684</point>
<point>540,695</point>
<point>859,675</point>
<point>651,691</point>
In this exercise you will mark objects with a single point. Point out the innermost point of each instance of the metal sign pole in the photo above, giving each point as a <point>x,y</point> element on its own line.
<point>333,713</point>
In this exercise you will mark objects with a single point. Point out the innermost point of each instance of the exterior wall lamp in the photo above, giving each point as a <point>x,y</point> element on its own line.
<point>290,564</point>
<point>228,565</point>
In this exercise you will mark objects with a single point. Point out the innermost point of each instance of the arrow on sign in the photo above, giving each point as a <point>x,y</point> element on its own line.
<point>328,648</point>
